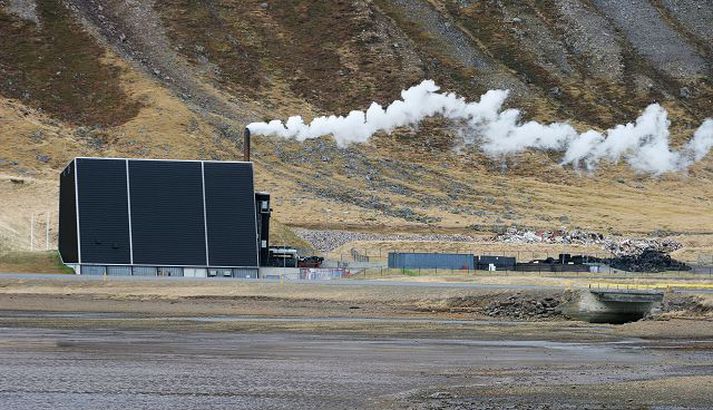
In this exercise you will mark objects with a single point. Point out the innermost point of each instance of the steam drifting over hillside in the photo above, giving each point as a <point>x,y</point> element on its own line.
<point>643,144</point>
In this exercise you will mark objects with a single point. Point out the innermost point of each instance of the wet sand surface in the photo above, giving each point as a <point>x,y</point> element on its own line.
<point>113,368</point>
<point>89,344</point>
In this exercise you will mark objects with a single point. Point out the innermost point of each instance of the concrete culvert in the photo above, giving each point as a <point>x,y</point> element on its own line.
<point>612,306</point>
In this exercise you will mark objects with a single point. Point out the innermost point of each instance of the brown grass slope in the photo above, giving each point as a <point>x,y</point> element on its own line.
<point>179,79</point>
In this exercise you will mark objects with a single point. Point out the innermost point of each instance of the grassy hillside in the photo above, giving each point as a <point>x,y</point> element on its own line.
<point>180,79</point>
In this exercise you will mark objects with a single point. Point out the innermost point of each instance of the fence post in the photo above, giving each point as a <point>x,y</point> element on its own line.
<point>47,232</point>
<point>32,232</point>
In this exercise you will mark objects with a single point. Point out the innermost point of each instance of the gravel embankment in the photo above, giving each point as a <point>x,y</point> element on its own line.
<point>590,36</point>
<point>455,42</point>
<point>644,27</point>
<point>695,15</point>
<point>326,240</point>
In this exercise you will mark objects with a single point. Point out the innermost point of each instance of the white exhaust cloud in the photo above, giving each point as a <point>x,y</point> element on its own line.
<point>643,144</point>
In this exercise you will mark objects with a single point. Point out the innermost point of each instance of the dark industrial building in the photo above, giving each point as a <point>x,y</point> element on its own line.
<point>162,218</point>
<point>453,261</point>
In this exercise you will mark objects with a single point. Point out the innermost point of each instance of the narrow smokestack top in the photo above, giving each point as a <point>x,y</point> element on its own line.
<point>246,144</point>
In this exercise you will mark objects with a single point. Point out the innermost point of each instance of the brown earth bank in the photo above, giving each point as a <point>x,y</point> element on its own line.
<point>372,306</point>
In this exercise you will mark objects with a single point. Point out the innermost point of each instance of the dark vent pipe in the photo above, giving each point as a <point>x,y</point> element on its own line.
<point>246,144</point>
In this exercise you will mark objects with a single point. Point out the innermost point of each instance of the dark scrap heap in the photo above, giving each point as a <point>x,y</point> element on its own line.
<point>650,260</point>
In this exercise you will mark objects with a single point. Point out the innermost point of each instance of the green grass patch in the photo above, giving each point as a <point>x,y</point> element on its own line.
<point>33,262</point>
<point>282,235</point>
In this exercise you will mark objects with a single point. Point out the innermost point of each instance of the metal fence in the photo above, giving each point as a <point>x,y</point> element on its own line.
<point>381,254</point>
<point>375,259</point>
<point>304,273</point>
<point>36,231</point>
<point>602,272</point>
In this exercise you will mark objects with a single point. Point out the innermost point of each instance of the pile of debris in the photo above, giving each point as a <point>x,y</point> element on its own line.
<point>637,247</point>
<point>520,308</point>
<point>616,246</point>
<point>560,236</point>
<point>649,260</point>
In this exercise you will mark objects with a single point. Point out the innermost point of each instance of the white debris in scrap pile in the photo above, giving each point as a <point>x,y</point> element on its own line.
<point>617,246</point>
<point>636,247</point>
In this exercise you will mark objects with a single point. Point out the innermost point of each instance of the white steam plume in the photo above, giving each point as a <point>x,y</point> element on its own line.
<point>644,144</point>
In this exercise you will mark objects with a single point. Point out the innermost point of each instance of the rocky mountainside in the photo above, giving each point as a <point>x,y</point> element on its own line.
<point>181,78</point>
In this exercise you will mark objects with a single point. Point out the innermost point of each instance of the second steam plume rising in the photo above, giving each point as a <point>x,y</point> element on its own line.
<point>643,144</point>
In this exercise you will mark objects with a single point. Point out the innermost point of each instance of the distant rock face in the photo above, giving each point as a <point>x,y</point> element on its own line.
<point>590,36</point>
<point>25,9</point>
<point>696,16</point>
<point>653,38</point>
<point>141,70</point>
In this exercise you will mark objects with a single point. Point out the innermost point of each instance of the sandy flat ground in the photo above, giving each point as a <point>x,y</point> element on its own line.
<point>174,344</point>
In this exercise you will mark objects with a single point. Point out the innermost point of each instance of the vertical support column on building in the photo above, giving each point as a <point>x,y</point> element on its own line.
<point>205,218</point>
<point>76,205</point>
<point>128,204</point>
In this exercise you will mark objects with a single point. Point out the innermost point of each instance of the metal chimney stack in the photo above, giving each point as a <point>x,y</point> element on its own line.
<point>246,145</point>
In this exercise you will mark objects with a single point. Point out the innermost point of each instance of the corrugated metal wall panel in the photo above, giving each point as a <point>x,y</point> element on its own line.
<point>118,270</point>
<point>220,273</point>
<point>167,212</point>
<point>195,272</point>
<point>68,247</point>
<point>170,271</point>
<point>144,271</point>
<point>245,273</point>
<point>103,211</point>
<point>431,261</point>
<point>230,214</point>
<point>93,270</point>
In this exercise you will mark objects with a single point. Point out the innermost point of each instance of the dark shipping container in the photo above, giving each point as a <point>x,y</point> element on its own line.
<point>431,261</point>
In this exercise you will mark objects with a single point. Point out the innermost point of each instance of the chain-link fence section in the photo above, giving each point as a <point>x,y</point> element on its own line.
<point>375,261</point>
<point>36,231</point>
